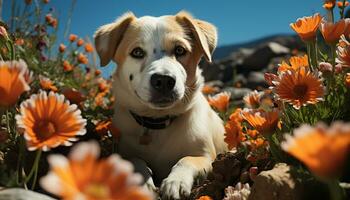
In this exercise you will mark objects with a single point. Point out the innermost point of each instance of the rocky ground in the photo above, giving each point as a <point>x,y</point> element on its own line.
<point>240,69</point>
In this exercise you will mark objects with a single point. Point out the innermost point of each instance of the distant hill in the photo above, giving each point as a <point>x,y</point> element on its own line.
<point>226,50</point>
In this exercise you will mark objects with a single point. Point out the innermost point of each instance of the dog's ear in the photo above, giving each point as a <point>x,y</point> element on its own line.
<point>204,33</point>
<point>109,36</point>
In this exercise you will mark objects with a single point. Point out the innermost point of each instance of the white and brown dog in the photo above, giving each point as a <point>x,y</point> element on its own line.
<point>167,124</point>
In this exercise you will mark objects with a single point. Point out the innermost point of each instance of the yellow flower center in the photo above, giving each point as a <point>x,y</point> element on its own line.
<point>300,91</point>
<point>97,191</point>
<point>45,129</point>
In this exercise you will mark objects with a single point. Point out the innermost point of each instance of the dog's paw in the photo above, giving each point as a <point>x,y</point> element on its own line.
<point>176,187</point>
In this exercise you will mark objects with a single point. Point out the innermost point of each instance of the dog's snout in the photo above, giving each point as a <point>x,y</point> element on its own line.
<point>162,83</point>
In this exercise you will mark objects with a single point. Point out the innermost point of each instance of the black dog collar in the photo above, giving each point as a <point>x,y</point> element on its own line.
<point>153,123</point>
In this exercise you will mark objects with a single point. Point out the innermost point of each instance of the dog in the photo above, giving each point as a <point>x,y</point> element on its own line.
<point>169,130</point>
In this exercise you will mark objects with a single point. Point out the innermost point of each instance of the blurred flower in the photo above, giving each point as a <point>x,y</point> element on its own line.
<point>72,37</point>
<point>47,84</point>
<point>306,27</point>
<point>80,42</point>
<point>347,80</point>
<point>67,67</point>
<point>12,82</point>
<point>299,87</point>
<point>84,176</point>
<point>220,101</point>
<point>322,149</point>
<point>62,48</point>
<point>82,59</point>
<point>51,21</point>
<point>252,99</point>
<point>331,32</point>
<point>97,72</point>
<point>263,121</point>
<point>88,48</point>
<point>3,33</point>
<point>205,198</point>
<point>325,67</point>
<point>296,62</point>
<point>48,120</point>
<point>74,95</point>
<point>19,41</point>
<point>343,52</point>
<point>253,172</point>
<point>341,5</point>
<point>329,4</point>
<point>233,129</point>
<point>3,135</point>
<point>239,192</point>
<point>208,89</point>
<point>102,127</point>
<point>28,2</point>
<point>46,1</point>
<point>102,85</point>
<point>114,131</point>
<point>269,78</point>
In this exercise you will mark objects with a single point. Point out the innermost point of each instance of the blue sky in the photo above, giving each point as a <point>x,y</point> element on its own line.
<point>237,20</point>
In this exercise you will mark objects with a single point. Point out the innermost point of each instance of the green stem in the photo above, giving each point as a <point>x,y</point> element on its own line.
<point>333,56</point>
<point>34,170</point>
<point>8,122</point>
<point>313,55</point>
<point>336,192</point>
<point>308,48</point>
<point>342,10</point>
<point>273,149</point>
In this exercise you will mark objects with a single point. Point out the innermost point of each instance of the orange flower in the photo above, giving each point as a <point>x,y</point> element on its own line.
<point>269,78</point>
<point>253,99</point>
<point>19,41</point>
<point>306,27</point>
<point>207,89</point>
<point>67,67</point>
<point>51,20</point>
<point>73,95</point>
<point>102,127</point>
<point>97,72</point>
<point>82,59</point>
<point>46,1</point>
<point>205,198</point>
<point>103,86</point>
<point>89,48</point>
<point>72,37</point>
<point>343,52</point>
<point>263,121</point>
<point>84,176</point>
<point>331,32</point>
<point>347,80</point>
<point>341,5</point>
<point>296,62</point>
<point>62,48</point>
<point>12,82</point>
<point>233,129</point>
<point>220,101</point>
<point>322,149</point>
<point>47,84</point>
<point>329,4</point>
<point>80,42</point>
<point>48,120</point>
<point>299,88</point>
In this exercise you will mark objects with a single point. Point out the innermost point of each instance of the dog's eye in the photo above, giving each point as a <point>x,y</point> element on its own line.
<point>138,53</point>
<point>179,51</point>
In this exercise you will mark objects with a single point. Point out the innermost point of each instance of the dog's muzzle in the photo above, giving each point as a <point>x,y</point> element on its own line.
<point>163,92</point>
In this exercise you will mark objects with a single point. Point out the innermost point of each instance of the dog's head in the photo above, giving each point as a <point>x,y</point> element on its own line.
<point>157,57</point>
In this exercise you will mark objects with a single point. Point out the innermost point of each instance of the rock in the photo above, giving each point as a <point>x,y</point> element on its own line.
<point>22,194</point>
<point>216,83</point>
<point>237,93</point>
<point>286,183</point>
<point>263,54</point>
<point>277,184</point>
<point>227,168</point>
<point>255,80</point>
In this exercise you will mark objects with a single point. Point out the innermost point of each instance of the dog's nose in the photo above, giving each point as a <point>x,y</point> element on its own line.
<point>162,83</point>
